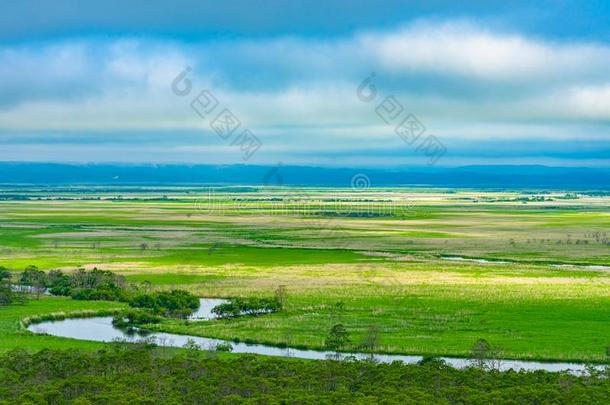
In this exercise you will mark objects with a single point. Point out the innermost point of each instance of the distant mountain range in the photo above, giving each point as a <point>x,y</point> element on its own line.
<point>501,177</point>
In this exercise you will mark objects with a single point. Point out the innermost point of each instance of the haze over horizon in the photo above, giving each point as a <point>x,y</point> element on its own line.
<point>495,83</point>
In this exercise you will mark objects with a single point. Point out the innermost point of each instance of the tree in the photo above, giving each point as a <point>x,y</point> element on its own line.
<point>37,279</point>
<point>338,337</point>
<point>281,294</point>
<point>4,274</point>
<point>371,339</point>
<point>191,344</point>
<point>146,286</point>
<point>175,303</point>
<point>480,353</point>
<point>246,306</point>
<point>58,282</point>
<point>224,347</point>
<point>485,355</point>
<point>6,294</point>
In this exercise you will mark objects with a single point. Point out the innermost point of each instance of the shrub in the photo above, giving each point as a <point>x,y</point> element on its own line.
<point>246,306</point>
<point>175,303</point>
<point>33,277</point>
<point>224,347</point>
<point>97,294</point>
<point>81,285</point>
<point>4,273</point>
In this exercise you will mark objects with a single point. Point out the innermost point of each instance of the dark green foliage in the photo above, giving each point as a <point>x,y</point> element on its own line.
<point>4,274</point>
<point>247,306</point>
<point>480,350</point>
<point>175,303</point>
<point>58,282</point>
<point>224,347</point>
<point>93,285</point>
<point>81,285</point>
<point>98,294</point>
<point>142,375</point>
<point>96,279</point>
<point>337,338</point>
<point>33,277</point>
<point>484,355</point>
<point>9,296</point>
<point>8,293</point>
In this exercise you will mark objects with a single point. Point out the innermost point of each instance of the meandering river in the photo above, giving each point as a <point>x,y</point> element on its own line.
<point>100,329</point>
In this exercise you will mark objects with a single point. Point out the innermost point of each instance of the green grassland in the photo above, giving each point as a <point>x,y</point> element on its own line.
<point>380,252</point>
<point>421,307</point>
<point>13,335</point>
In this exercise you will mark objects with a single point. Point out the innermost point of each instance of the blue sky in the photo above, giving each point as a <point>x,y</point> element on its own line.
<point>494,82</point>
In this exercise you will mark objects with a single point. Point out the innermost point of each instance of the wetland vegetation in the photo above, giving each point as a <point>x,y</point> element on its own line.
<point>533,279</point>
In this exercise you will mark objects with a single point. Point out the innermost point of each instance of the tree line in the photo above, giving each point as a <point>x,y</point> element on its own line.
<point>144,374</point>
<point>94,285</point>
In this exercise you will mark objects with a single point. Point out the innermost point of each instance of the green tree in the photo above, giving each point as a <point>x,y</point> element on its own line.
<point>338,337</point>
<point>37,279</point>
<point>4,274</point>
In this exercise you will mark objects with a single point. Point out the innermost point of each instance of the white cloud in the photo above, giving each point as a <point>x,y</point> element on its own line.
<point>300,94</point>
<point>462,49</point>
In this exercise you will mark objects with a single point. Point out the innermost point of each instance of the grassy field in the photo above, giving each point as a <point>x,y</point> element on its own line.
<point>13,335</point>
<point>428,308</point>
<point>381,253</point>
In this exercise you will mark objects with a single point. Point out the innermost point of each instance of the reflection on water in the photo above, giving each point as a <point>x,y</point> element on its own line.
<point>100,329</point>
<point>205,309</point>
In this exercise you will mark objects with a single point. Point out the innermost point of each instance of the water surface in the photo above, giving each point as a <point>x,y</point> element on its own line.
<point>100,329</point>
<point>204,313</point>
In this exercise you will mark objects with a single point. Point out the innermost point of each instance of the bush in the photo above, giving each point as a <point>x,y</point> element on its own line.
<point>33,277</point>
<point>80,285</point>
<point>6,294</point>
<point>97,294</point>
<point>175,303</point>
<point>4,274</point>
<point>246,306</point>
<point>96,279</point>
<point>59,282</point>
<point>224,347</point>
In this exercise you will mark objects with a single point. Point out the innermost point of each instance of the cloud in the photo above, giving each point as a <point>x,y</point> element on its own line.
<point>466,50</point>
<point>299,94</point>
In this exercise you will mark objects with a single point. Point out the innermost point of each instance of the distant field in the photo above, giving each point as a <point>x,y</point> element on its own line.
<point>381,252</point>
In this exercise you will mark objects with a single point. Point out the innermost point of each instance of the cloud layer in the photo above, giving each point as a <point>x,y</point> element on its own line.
<point>94,98</point>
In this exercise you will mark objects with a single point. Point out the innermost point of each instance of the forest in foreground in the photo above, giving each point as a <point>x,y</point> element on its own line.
<point>141,374</point>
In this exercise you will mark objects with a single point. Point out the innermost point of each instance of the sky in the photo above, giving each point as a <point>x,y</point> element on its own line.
<point>335,83</point>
